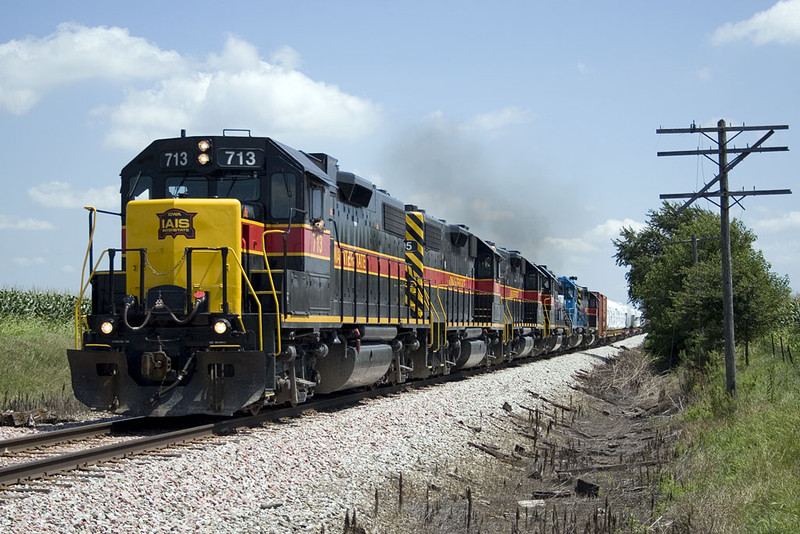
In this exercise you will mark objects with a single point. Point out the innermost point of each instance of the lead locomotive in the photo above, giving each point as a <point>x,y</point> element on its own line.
<point>253,274</point>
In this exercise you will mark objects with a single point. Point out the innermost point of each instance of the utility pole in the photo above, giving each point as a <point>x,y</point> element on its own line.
<point>725,195</point>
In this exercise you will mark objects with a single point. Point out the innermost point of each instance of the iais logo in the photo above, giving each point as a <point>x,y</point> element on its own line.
<point>175,222</point>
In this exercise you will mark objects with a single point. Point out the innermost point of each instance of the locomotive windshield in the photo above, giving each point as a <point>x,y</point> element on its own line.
<point>187,187</point>
<point>228,186</point>
<point>140,188</point>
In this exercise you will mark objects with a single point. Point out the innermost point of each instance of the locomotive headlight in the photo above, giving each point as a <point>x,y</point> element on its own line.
<point>108,326</point>
<point>204,145</point>
<point>203,158</point>
<point>221,326</point>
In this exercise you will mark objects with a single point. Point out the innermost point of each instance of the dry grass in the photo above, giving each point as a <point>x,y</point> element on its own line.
<point>523,472</point>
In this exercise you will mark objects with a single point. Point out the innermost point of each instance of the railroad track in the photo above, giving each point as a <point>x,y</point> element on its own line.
<point>27,471</point>
<point>24,472</point>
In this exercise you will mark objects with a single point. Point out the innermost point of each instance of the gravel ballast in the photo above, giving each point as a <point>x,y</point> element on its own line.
<point>295,476</point>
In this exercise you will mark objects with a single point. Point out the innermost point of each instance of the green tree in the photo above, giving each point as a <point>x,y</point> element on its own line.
<point>683,300</point>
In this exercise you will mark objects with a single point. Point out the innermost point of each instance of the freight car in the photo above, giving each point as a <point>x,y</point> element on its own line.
<point>254,274</point>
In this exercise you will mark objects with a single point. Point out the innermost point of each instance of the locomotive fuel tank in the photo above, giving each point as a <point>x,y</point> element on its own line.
<point>348,366</point>
<point>524,346</point>
<point>473,352</point>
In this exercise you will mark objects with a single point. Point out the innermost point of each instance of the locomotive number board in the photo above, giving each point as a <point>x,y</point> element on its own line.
<point>242,158</point>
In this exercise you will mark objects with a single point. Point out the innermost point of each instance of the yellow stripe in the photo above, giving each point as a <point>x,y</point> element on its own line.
<point>336,319</point>
<point>372,252</point>
<point>293,255</point>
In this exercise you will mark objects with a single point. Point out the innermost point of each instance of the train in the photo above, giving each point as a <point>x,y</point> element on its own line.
<point>252,274</point>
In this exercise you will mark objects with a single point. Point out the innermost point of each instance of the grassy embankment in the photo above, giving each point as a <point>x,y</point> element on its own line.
<point>740,467</point>
<point>36,329</point>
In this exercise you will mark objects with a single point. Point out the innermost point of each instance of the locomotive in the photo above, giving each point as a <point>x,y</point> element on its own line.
<point>252,274</point>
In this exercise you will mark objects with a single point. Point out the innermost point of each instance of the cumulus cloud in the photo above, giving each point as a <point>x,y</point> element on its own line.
<point>15,223</point>
<point>162,91</point>
<point>611,228</point>
<point>286,57</point>
<point>235,89</point>
<point>787,221</point>
<point>594,239</point>
<point>778,24</point>
<point>32,67</point>
<point>64,195</point>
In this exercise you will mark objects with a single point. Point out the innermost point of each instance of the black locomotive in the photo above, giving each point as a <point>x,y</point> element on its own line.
<point>252,274</point>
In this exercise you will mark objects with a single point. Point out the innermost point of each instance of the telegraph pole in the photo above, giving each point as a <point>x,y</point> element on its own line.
<point>725,195</point>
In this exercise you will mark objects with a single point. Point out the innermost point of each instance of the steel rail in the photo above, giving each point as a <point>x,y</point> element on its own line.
<point>55,437</point>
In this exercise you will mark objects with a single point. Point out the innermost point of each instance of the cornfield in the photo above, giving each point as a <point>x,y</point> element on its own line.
<point>50,305</point>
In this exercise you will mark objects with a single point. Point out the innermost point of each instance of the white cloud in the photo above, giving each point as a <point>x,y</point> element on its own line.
<point>780,24</point>
<point>788,221</point>
<point>591,241</point>
<point>28,262</point>
<point>237,89</point>
<point>232,89</point>
<point>64,195</point>
<point>495,121</point>
<point>15,223</point>
<point>286,57</point>
<point>31,67</point>
<point>611,228</point>
<point>573,245</point>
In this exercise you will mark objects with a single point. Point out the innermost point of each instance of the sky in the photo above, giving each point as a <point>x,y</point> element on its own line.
<point>533,123</point>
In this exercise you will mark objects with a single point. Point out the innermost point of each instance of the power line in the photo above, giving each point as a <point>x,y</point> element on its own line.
<point>724,194</point>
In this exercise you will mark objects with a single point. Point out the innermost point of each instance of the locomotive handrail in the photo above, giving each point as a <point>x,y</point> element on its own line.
<point>92,221</point>
<point>80,296</point>
<point>546,314</point>
<point>258,302</point>
<point>226,252</point>
<point>84,286</point>
<point>455,304</point>
<point>508,329</point>
<point>444,314</point>
<point>87,256</point>
<point>356,270</point>
<point>426,299</point>
<point>272,282</point>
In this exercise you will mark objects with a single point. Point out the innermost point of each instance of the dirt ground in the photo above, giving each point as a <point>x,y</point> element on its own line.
<point>611,449</point>
<point>592,465</point>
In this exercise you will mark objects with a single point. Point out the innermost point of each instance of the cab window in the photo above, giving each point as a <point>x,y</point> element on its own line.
<point>141,188</point>
<point>486,267</point>
<point>241,187</point>
<point>316,203</point>
<point>187,187</point>
<point>283,194</point>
